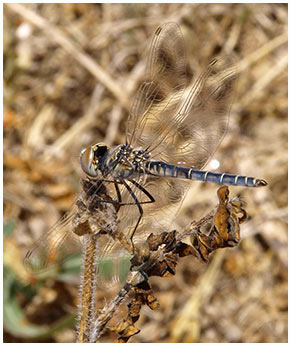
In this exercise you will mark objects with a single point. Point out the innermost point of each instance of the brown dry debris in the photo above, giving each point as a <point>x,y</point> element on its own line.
<point>70,73</point>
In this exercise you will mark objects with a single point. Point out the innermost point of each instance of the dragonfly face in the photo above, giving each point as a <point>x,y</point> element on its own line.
<point>92,157</point>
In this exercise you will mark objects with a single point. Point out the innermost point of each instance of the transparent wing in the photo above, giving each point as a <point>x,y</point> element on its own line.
<point>113,263</point>
<point>174,125</point>
<point>54,246</point>
<point>65,237</point>
<point>192,134</point>
<point>164,83</point>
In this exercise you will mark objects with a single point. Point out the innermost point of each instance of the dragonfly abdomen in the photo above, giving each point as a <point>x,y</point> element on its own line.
<point>167,170</point>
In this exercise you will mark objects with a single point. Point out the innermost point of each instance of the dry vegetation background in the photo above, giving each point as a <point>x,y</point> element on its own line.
<point>70,72</point>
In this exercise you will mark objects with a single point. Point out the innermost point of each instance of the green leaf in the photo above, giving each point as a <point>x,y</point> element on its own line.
<point>9,227</point>
<point>15,321</point>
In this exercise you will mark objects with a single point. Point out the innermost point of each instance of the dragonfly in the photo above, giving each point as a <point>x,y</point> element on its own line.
<point>172,131</point>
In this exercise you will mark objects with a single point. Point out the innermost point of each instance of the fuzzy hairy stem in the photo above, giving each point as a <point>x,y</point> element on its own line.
<point>87,307</point>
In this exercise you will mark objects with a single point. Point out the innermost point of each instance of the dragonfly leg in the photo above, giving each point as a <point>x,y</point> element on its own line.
<point>118,194</point>
<point>151,198</point>
<point>119,202</point>
<point>119,198</point>
<point>138,204</point>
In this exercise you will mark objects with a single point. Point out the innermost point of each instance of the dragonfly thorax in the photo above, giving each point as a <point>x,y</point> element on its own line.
<point>123,161</point>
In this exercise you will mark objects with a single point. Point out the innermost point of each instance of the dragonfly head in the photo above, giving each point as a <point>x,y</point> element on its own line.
<point>91,156</point>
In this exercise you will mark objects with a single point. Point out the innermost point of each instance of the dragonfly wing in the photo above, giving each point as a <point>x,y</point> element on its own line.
<point>175,125</point>
<point>165,78</point>
<point>87,215</point>
<point>113,263</point>
<point>193,133</point>
<point>54,246</point>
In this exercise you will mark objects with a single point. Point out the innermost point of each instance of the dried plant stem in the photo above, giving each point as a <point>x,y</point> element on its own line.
<point>195,225</point>
<point>87,307</point>
<point>159,256</point>
<point>106,314</point>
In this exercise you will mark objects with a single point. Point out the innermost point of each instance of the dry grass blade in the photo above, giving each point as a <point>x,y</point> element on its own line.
<point>262,51</point>
<point>64,141</point>
<point>185,326</point>
<point>58,36</point>
<point>265,80</point>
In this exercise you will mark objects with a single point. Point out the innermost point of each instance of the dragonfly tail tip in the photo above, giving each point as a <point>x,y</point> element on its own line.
<point>261,182</point>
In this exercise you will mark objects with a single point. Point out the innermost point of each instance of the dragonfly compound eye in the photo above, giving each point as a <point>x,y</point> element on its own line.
<point>88,163</point>
<point>100,150</point>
